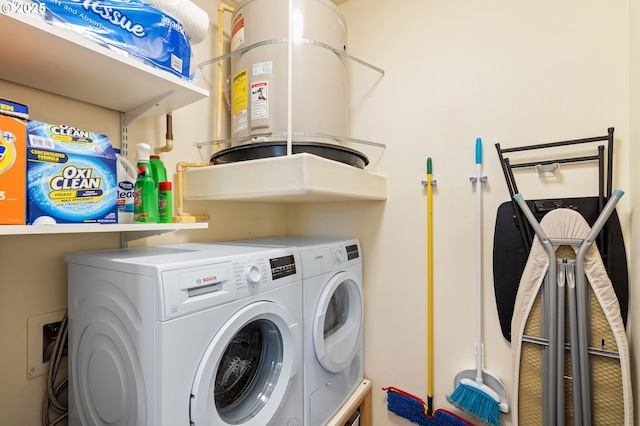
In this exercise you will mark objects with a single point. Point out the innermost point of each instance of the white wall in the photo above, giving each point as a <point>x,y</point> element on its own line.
<point>510,72</point>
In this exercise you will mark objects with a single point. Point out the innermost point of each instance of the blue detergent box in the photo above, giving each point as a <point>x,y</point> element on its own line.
<point>71,175</point>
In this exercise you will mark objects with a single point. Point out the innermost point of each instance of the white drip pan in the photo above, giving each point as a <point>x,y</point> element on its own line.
<point>296,178</point>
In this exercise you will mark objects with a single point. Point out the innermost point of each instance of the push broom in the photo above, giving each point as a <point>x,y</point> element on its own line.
<point>477,392</point>
<point>402,403</point>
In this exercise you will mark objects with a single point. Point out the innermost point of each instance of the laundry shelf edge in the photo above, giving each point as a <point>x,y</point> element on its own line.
<point>81,228</point>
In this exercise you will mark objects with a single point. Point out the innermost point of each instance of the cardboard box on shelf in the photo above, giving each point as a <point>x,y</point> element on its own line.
<point>71,175</point>
<point>13,163</point>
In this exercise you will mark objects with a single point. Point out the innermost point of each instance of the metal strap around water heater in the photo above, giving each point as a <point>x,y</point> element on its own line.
<point>333,137</point>
<point>298,134</point>
<point>286,40</point>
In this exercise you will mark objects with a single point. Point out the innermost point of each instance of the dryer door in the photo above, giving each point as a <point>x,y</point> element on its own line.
<point>244,374</point>
<point>338,322</point>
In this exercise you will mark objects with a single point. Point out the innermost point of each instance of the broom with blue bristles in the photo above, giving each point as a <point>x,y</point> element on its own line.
<point>402,403</point>
<point>472,394</point>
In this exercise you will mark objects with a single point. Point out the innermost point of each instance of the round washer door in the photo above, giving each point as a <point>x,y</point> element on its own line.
<point>244,374</point>
<point>338,322</point>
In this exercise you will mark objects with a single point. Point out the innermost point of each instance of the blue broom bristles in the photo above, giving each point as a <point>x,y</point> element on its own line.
<point>477,403</point>
<point>413,409</point>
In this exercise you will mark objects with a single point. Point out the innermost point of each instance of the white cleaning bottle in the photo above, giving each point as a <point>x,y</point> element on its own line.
<point>126,175</point>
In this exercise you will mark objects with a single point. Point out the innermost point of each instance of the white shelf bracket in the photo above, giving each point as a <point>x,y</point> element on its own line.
<point>132,115</point>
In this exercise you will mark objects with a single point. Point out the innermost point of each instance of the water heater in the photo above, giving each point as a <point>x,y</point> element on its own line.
<point>259,81</point>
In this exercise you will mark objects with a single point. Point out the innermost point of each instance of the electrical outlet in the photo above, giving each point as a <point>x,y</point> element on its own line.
<point>49,337</point>
<point>41,335</point>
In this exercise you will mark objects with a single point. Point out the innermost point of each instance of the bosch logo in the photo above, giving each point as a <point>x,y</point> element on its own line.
<point>209,279</point>
<point>320,257</point>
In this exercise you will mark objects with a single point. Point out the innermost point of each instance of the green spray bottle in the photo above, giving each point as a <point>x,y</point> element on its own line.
<point>145,203</point>
<point>158,171</point>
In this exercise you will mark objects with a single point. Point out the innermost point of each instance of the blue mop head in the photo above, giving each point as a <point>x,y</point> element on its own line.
<point>478,400</point>
<point>413,409</point>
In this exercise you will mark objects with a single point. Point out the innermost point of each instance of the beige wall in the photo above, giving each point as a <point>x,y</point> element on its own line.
<point>513,73</point>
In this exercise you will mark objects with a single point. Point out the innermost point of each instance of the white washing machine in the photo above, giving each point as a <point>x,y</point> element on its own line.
<point>333,315</point>
<point>172,336</point>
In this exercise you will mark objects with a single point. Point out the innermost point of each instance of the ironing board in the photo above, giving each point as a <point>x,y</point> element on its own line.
<point>575,372</point>
<point>513,235</point>
<point>510,254</point>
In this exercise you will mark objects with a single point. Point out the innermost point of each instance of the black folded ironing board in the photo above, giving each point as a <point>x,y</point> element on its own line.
<point>513,235</point>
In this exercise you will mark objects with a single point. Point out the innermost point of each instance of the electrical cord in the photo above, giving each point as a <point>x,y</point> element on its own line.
<point>52,397</point>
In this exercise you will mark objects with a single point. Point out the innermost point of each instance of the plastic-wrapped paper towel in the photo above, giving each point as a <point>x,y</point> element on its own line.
<point>194,19</point>
<point>139,29</point>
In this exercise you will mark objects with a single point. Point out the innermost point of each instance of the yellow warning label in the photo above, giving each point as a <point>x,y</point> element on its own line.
<point>240,91</point>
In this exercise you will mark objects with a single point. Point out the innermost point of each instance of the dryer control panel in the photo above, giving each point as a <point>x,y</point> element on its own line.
<point>344,253</point>
<point>322,258</point>
<point>352,251</point>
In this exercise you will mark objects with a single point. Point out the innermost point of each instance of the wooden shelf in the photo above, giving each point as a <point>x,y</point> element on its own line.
<point>63,62</point>
<point>360,400</point>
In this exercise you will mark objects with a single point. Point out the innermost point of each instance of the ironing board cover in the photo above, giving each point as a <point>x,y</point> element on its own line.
<point>566,223</point>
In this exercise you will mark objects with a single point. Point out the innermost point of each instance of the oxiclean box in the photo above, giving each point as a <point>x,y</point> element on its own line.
<point>71,175</point>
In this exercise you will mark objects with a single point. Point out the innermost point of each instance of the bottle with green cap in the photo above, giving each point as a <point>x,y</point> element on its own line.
<point>158,171</point>
<point>145,202</point>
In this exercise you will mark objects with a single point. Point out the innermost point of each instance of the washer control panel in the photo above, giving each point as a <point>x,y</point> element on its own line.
<point>264,272</point>
<point>250,273</point>
<point>253,274</point>
<point>282,266</point>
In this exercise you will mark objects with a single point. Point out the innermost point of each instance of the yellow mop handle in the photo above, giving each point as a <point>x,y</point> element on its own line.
<point>429,289</point>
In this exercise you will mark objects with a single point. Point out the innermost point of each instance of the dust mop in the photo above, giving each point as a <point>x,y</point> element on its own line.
<point>477,392</point>
<point>403,403</point>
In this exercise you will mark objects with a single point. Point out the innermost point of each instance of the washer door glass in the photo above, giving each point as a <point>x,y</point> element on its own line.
<point>248,371</point>
<point>338,322</point>
<point>245,371</point>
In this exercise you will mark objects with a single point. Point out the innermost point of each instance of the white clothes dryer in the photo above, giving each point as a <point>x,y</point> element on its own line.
<point>333,318</point>
<point>174,336</point>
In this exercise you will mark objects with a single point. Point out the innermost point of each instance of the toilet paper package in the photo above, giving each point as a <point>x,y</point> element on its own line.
<point>71,175</point>
<point>194,19</point>
<point>131,27</point>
